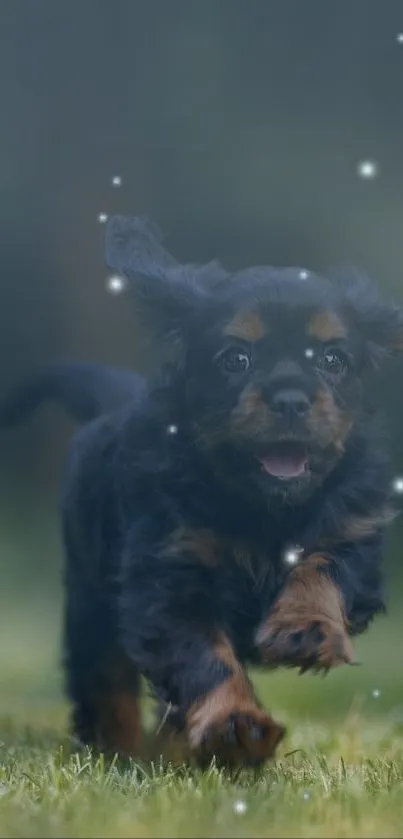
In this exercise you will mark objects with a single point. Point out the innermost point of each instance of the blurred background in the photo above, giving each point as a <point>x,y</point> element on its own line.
<point>255,131</point>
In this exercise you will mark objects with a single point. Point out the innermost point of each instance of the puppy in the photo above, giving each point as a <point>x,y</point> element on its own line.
<point>179,514</point>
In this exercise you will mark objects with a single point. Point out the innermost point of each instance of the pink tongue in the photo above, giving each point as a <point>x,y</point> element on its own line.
<point>284,467</point>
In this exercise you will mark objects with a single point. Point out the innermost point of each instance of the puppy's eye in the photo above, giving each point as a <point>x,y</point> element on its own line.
<point>334,362</point>
<point>235,360</point>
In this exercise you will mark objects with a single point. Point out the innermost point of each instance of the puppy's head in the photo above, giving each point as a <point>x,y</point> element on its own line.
<point>271,360</point>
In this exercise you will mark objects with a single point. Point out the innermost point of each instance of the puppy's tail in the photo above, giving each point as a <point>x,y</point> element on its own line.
<point>84,390</point>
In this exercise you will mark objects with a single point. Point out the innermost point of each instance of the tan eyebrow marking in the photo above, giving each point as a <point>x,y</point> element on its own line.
<point>246,325</point>
<point>326,326</point>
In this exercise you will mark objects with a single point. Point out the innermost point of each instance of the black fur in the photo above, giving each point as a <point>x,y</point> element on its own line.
<point>145,585</point>
<point>84,390</point>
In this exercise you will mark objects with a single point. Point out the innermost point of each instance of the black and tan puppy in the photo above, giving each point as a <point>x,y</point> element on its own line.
<point>178,514</point>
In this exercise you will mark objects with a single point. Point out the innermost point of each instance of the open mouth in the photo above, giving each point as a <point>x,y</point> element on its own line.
<point>285,460</point>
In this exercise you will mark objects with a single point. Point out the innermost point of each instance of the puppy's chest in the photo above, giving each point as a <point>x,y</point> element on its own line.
<point>256,566</point>
<point>247,578</point>
<point>246,572</point>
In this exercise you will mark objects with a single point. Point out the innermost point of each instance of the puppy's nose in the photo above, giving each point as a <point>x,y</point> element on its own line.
<point>290,403</point>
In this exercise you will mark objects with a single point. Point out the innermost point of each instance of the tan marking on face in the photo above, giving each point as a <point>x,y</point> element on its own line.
<point>328,422</point>
<point>250,400</point>
<point>326,326</point>
<point>251,414</point>
<point>247,326</point>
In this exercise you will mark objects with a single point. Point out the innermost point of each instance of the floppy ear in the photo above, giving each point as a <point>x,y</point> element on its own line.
<point>379,322</point>
<point>168,292</point>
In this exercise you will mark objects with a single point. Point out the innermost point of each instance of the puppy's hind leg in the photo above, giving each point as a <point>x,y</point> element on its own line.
<point>103,685</point>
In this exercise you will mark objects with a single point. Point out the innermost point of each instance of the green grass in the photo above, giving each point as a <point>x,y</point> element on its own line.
<point>344,783</point>
<point>342,780</point>
<point>339,772</point>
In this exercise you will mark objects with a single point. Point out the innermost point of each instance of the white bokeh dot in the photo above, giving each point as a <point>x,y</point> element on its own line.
<point>240,807</point>
<point>367,169</point>
<point>172,429</point>
<point>102,218</point>
<point>303,275</point>
<point>116,180</point>
<point>116,284</point>
<point>397,485</point>
<point>309,352</point>
<point>376,693</point>
<point>293,554</point>
<point>306,796</point>
<point>399,38</point>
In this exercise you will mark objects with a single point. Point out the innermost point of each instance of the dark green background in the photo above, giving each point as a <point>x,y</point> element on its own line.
<point>238,126</point>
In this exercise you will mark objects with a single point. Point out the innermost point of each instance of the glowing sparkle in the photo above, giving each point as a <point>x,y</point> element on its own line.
<point>306,796</point>
<point>172,429</point>
<point>376,693</point>
<point>102,218</point>
<point>309,352</point>
<point>116,180</point>
<point>115,284</point>
<point>397,485</point>
<point>399,38</point>
<point>303,275</point>
<point>367,169</point>
<point>293,554</point>
<point>240,807</point>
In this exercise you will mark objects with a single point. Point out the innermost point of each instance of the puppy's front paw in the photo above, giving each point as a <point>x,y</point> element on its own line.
<point>316,644</point>
<point>235,736</point>
<point>307,627</point>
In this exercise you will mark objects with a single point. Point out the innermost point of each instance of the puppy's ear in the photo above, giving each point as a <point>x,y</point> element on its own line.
<point>169,293</point>
<point>379,322</point>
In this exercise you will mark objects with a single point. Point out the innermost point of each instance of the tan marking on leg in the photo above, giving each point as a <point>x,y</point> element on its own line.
<point>231,711</point>
<point>309,600</point>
